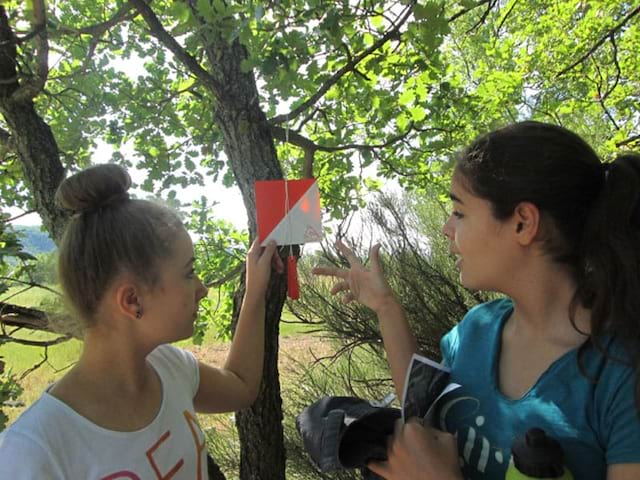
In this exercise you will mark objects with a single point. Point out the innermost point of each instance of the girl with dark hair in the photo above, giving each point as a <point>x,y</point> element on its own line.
<point>538,217</point>
<point>126,410</point>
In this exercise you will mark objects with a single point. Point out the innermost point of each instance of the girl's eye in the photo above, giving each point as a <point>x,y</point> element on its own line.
<point>457,214</point>
<point>191,273</point>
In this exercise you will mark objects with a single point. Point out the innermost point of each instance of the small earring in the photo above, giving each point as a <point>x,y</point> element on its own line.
<point>139,313</point>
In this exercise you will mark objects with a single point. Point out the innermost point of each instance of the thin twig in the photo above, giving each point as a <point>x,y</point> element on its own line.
<point>28,212</point>
<point>603,39</point>
<point>349,67</point>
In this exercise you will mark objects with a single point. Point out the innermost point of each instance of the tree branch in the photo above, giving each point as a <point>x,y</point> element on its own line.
<point>491,4</point>
<point>158,31</point>
<point>599,43</point>
<point>24,214</point>
<point>310,147</point>
<point>18,316</point>
<point>126,12</point>
<point>295,138</point>
<point>467,10</point>
<point>30,284</point>
<point>34,343</point>
<point>8,73</point>
<point>234,272</point>
<point>506,15</point>
<point>617,65</point>
<point>628,141</point>
<point>349,67</point>
<point>34,86</point>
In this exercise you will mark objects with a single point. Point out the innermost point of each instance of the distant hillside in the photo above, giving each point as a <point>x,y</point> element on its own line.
<point>35,240</point>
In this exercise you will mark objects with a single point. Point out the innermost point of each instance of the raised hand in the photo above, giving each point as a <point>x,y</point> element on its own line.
<point>365,285</point>
<point>260,261</point>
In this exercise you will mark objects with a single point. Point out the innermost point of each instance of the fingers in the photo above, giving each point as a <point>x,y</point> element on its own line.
<point>340,287</point>
<point>254,249</point>
<point>269,250</point>
<point>330,272</point>
<point>379,468</point>
<point>416,420</point>
<point>348,298</point>
<point>343,287</point>
<point>265,256</point>
<point>276,262</point>
<point>445,438</point>
<point>374,256</point>
<point>270,257</point>
<point>347,253</point>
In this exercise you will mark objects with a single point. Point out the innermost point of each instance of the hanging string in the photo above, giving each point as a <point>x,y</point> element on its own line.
<point>292,262</point>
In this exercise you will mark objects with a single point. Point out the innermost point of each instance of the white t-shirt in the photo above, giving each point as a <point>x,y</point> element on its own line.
<point>50,440</point>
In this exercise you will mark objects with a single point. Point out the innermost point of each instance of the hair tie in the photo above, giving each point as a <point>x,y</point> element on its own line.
<point>98,207</point>
<point>606,168</point>
<point>114,200</point>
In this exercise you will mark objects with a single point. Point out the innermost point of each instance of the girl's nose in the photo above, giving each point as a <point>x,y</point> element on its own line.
<point>447,230</point>
<point>202,290</point>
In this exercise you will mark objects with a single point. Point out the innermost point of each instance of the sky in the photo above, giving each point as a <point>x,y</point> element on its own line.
<point>229,200</point>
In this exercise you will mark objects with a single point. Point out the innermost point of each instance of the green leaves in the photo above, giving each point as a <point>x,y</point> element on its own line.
<point>452,70</point>
<point>220,253</point>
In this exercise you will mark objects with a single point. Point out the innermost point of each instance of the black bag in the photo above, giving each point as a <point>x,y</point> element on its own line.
<point>346,432</point>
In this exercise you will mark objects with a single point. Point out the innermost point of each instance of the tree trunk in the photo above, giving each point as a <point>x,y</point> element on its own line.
<point>35,143</point>
<point>249,147</point>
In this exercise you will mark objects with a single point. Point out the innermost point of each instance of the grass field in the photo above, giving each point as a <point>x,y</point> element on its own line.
<point>57,359</point>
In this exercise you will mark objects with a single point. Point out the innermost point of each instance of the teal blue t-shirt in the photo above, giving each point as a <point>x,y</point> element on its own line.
<point>596,423</point>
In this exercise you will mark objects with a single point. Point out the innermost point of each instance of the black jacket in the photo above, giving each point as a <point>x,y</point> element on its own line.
<point>346,432</point>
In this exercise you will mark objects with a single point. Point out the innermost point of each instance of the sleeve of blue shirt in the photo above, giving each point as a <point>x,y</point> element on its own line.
<point>620,416</point>
<point>449,347</point>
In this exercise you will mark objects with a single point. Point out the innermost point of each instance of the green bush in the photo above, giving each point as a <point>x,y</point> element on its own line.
<point>417,264</point>
<point>422,273</point>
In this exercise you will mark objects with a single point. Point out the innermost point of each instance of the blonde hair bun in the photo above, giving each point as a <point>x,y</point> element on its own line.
<point>93,188</point>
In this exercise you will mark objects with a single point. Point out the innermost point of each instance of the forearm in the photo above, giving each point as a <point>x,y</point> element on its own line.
<point>246,354</point>
<point>399,342</point>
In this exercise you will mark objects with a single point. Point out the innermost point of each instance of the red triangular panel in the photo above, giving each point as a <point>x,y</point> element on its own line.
<point>270,201</point>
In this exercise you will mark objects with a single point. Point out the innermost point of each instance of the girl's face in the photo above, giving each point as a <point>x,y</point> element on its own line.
<point>172,306</point>
<point>484,246</point>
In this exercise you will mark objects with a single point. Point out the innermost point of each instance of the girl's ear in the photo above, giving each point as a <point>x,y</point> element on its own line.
<point>526,223</point>
<point>128,301</point>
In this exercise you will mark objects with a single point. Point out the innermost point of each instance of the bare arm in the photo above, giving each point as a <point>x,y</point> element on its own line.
<point>236,385</point>
<point>369,287</point>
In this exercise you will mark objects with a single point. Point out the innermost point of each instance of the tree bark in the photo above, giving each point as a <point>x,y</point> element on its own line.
<point>252,156</point>
<point>34,141</point>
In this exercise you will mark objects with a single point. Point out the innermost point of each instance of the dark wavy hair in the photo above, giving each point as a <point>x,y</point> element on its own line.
<point>590,218</point>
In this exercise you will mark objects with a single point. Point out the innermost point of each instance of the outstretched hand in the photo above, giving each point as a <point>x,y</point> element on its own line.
<point>418,452</point>
<point>260,261</point>
<point>365,285</point>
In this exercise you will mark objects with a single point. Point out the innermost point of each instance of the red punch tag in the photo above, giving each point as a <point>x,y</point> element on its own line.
<point>292,278</point>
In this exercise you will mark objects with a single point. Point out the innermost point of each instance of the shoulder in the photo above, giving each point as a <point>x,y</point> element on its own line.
<point>169,356</point>
<point>487,313</point>
<point>481,321</point>
<point>175,364</point>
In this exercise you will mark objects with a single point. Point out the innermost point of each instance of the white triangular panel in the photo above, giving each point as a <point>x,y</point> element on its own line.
<point>300,226</point>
